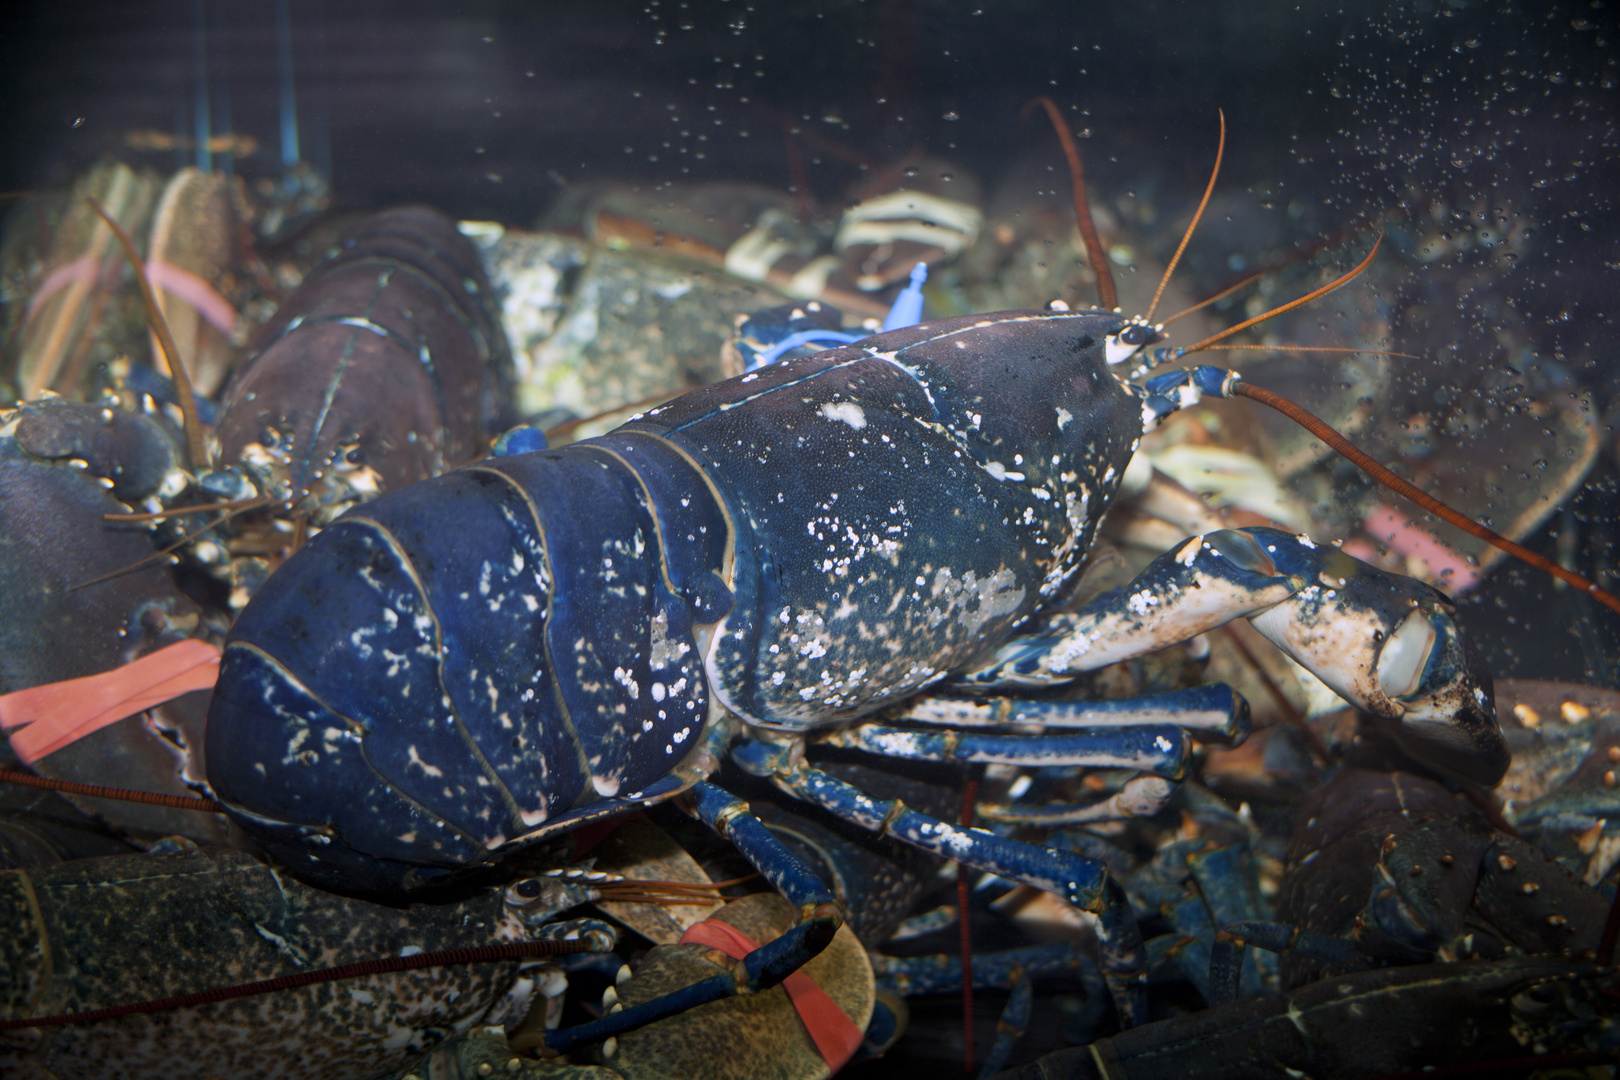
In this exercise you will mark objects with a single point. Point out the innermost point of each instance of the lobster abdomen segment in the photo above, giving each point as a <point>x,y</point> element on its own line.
<point>462,663</point>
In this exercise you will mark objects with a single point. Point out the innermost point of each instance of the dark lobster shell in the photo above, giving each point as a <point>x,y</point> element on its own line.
<point>390,351</point>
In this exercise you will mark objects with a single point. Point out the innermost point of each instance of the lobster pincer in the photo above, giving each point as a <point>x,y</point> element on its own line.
<point>1386,643</point>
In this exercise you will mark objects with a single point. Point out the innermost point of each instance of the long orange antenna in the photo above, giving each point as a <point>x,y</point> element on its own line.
<point>1228,291</point>
<point>1107,297</point>
<point>174,802</point>
<point>1343,279</point>
<point>1186,237</point>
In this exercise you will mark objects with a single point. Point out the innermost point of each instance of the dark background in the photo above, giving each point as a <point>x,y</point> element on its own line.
<point>483,108</point>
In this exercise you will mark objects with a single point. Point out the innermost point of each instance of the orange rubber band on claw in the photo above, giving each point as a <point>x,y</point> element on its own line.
<point>836,1036</point>
<point>42,719</point>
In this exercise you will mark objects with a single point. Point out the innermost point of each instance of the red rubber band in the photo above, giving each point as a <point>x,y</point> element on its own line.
<point>182,284</point>
<point>836,1036</point>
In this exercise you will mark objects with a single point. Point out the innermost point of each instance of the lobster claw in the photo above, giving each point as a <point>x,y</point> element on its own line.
<point>1390,645</point>
<point>1448,716</point>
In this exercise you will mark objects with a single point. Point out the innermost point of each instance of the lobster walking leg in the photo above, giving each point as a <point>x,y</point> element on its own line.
<point>766,966</point>
<point>1216,711</point>
<point>1010,969</point>
<point>1078,880</point>
<point>1232,941</point>
<point>1159,748</point>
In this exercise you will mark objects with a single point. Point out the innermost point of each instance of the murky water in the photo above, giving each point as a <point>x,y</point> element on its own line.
<point>1480,140</point>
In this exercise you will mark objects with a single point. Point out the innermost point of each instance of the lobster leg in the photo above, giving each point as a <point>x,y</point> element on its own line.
<point>1159,748</point>
<point>1078,880</point>
<point>819,919</point>
<point>1143,795</point>
<point>1011,969</point>
<point>1149,733</point>
<point>1011,1026</point>
<point>1232,941</point>
<point>1215,710</point>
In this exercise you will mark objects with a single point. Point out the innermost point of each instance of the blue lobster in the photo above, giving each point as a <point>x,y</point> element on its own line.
<point>824,548</point>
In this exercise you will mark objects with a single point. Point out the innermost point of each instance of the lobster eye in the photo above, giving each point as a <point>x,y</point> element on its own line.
<point>356,456</point>
<point>528,889</point>
<point>1129,341</point>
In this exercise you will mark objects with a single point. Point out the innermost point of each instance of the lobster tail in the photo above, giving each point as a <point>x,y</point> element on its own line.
<point>469,662</point>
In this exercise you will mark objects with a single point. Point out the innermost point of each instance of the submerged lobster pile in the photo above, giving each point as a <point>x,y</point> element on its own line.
<point>833,586</point>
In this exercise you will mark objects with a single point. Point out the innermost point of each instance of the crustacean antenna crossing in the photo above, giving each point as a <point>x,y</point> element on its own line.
<point>1107,297</point>
<point>1186,237</point>
<point>1333,439</point>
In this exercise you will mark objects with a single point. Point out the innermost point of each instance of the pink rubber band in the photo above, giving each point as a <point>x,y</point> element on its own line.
<point>42,719</point>
<point>81,269</point>
<point>174,280</point>
<point>1387,526</point>
<point>184,285</point>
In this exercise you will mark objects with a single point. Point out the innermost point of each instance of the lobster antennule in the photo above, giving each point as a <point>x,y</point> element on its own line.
<point>1160,357</point>
<point>1228,291</point>
<point>1192,226</point>
<point>1314,348</point>
<point>1337,283</point>
<point>232,510</point>
<point>171,513</point>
